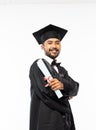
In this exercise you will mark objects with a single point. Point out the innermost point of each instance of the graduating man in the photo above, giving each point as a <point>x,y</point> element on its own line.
<point>48,111</point>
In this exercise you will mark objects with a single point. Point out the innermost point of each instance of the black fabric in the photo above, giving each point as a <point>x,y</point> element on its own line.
<point>50,34</point>
<point>47,111</point>
<point>55,63</point>
<point>50,31</point>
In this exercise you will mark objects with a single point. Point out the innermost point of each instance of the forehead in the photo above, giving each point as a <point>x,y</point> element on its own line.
<point>52,40</point>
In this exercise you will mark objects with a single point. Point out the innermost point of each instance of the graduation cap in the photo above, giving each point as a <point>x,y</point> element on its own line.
<point>50,31</point>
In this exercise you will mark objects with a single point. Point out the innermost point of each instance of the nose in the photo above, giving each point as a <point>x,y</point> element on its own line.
<point>54,45</point>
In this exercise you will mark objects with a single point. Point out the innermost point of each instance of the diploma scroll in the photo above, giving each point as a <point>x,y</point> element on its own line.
<point>47,74</point>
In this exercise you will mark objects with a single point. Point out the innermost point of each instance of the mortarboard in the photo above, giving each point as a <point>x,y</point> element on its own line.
<point>50,31</point>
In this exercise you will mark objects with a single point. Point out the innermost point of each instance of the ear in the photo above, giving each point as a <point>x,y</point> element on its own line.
<point>42,46</point>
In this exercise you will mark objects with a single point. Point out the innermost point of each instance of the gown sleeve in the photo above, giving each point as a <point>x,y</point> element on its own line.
<point>71,87</point>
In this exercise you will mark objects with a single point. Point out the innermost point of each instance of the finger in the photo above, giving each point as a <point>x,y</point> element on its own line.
<point>53,82</point>
<point>55,87</point>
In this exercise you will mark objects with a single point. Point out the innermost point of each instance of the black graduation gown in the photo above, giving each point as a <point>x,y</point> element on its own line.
<point>47,112</point>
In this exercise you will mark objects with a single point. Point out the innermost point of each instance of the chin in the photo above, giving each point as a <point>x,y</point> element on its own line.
<point>53,57</point>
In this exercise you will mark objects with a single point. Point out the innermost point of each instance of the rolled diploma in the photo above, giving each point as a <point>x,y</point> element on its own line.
<point>47,74</point>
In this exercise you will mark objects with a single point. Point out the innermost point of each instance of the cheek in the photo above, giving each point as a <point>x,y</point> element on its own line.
<point>60,47</point>
<point>46,49</point>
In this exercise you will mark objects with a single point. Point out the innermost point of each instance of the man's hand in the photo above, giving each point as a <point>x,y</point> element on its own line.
<point>54,84</point>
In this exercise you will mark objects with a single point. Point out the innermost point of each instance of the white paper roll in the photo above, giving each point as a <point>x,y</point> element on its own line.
<point>47,74</point>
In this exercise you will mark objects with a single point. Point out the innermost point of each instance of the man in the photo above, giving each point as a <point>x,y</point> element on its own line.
<point>48,112</point>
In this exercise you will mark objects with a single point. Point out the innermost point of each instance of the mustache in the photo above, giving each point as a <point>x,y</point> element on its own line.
<point>54,49</point>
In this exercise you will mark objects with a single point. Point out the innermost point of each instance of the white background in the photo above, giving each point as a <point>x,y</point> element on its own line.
<point>18,49</point>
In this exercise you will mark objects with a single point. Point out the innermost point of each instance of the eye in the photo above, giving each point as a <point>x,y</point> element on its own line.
<point>49,42</point>
<point>57,42</point>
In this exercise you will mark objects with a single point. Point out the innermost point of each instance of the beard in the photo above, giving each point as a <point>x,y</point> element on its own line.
<point>53,53</point>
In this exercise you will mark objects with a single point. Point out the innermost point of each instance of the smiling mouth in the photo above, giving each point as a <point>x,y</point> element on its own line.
<point>54,50</point>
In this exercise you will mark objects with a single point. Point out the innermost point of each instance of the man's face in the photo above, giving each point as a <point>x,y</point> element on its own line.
<point>51,47</point>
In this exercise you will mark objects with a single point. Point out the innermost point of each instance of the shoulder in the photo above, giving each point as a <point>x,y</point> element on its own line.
<point>33,65</point>
<point>62,71</point>
<point>62,68</point>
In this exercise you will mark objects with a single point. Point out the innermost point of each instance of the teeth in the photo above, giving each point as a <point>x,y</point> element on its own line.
<point>54,50</point>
